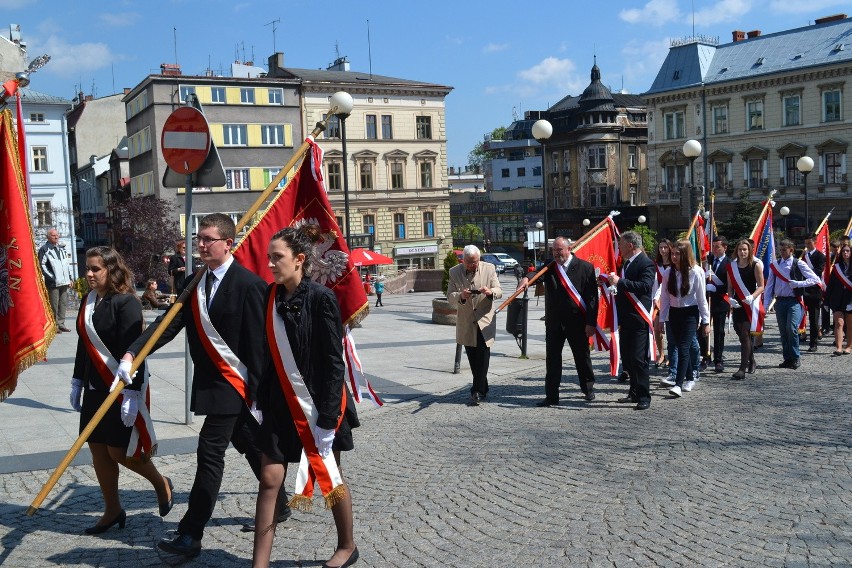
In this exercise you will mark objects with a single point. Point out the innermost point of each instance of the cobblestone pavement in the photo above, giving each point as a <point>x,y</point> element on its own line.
<point>736,473</point>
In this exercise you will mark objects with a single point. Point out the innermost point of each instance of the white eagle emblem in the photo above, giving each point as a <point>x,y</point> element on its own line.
<point>327,265</point>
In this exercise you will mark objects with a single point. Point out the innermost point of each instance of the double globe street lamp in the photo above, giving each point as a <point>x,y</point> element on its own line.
<point>805,164</point>
<point>541,131</point>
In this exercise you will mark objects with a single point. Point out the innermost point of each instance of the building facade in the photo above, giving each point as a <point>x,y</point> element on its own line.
<point>514,160</point>
<point>756,105</point>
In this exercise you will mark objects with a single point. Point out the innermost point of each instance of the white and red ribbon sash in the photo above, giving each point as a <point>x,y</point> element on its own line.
<point>355,372</point>
<point>842,276</point>
<point>777,271</point>
<point>225,360</point>
<point>613,343</point>
<point>302,409</point>
<point>811,265</point>
<point>649,319</point>
<point>598,339</point>
<point>143,441</point>
<point>755,313</point>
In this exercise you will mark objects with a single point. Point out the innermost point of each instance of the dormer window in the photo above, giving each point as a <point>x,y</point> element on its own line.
<point>760,61</point>
<point>676,75</point>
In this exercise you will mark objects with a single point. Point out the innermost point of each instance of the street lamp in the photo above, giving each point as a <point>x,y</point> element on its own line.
<point>784,212</point>
<point>642,219</point>
<point>692,149</point>
<point>341,106</point>
<point>541,131</point>
<point>805,164</point>
<point>586,222</point>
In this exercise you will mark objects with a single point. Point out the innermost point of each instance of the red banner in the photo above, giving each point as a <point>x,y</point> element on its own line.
<point>26,321</point>
<point>824,246</point>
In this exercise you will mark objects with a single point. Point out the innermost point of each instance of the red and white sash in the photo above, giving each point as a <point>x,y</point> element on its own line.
<point>777,271</point>
<point>841,275</point>
<point>811,265</point>
<point>225,360</point>
<point>311,465</point>
<point>614,338</point>
<point>755,313</point>
<point>355,371</point>
<point>143,441</point>
<point>649,319</point>
<point>599,338</point>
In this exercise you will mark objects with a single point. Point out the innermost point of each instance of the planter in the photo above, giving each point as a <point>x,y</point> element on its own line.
<point>442,312</point>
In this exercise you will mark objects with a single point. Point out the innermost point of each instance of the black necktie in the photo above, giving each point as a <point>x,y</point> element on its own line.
<point>208,286</point>
<point>715,264</point>
<point>624,268</point>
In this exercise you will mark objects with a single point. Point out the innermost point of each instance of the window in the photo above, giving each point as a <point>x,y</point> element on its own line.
<point>426,174</point>
<point>554,162</point>
<point>632,158</point>
<point>371,127</point>
<point>597,157</point>
<point>387,127</point>
<point>39,161</point>
<point>36,117</point>
<point>424,127</point>
<point>272,135</point>
<point>334,177</point>
<point>275,96</point>
<point>332,130</point>
<point>792,110</point>
<point>185,91</point>
<point>833,174</point>
<point>754,115</point>
<point>598,196</point>
<point>755,172</point>
<point>504,172</point>
<point>674,125</point>
<point>720,120</point>
<point>522,172</point>
<point>247,95</point>
<point>237,178</point>
<point>339,220</point>
<point>428,224</point>
<point>217,95</point>
<point>791,172</point>
<point>675,175</point>
<point>720,174</point>
<point>396,175</point>
<point>831,105</point>
<point>536,171</point>
<point>566,161</point>
<point>234,134</point>
<point>366,173</point>
<point>44,214</point>
<point>269,175</point>
<point>369,224</point>
<point>399,225</point>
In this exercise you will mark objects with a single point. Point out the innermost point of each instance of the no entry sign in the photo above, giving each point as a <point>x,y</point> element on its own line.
<point>185,140</point>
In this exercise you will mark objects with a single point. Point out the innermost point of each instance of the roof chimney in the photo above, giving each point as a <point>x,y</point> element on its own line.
<point>170,69</point>
<point>340,64</point>
<point>275,62</point>
<point>738,35</point>
<point>753,33</point>
<point>827,19</point>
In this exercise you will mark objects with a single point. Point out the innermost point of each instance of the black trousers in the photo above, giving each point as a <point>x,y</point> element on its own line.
<point>813,321</point>
<point>479,357</point>
<point>555,337</point>
<point>216,433</point>
<point>634,359</point>
<point>718,319</point>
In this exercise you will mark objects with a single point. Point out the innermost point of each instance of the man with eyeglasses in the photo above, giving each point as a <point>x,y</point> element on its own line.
<point>222,321</point>
<point>56,269</point>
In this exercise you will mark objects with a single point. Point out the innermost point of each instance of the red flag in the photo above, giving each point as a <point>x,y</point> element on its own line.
<point>822,245</point>
<point>26,321</point>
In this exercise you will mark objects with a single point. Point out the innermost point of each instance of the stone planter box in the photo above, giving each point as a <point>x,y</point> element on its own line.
<point>442,313</point>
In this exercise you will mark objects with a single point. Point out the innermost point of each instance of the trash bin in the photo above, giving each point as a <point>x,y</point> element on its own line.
<point>515,318</point>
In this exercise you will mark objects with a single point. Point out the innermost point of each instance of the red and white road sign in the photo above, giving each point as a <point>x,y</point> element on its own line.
<point>185,140</point>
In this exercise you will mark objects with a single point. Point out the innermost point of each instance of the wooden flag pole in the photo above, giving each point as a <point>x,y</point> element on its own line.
<point>167,319</point>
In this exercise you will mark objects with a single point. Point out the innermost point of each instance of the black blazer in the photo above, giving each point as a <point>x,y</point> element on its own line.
<point>718,305</point>
<point>237,313</point>
<point>638,279</point>
<point>561,309</point>
<point>837,297</point>
<point>813,294</point>
<point>118,322</point>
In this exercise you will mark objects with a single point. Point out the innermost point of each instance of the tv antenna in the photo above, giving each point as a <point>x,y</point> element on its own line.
<point>274,29</point>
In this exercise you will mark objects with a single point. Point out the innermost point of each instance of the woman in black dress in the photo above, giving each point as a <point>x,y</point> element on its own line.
<point>838,297</point>
<point>745,287</point>
<point>110,319</point>
<point>308,413</point>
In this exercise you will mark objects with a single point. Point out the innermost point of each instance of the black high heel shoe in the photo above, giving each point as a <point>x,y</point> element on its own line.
<point>166,507</point>
<point>119,520</point>
<point>353,558</point>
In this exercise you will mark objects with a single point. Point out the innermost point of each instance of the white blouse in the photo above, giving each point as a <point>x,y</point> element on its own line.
<point>697,295</point>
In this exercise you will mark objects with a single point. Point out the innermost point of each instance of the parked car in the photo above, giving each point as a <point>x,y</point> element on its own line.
<point>498,264</point>
<point>506,259</point>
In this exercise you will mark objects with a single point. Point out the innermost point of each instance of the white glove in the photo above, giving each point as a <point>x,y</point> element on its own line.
<point>77,394</point>
<point>256,412</point>
<point>849,307</point>
<point>734,303</point>
<point>748,300</point>
<point>123,374</point>
<point>129,407</point>
<point>323,439</point>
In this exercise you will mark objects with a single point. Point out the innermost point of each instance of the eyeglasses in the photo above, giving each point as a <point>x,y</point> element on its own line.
<point>206,241</point>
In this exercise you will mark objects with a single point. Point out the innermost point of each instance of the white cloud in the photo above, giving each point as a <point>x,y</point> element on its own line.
<point>454,40</point>
<point>120,20</point>
<point>721,12</point>
<point>787,7</point>
<point>72,60</point>
<point>642,62</point>
<point>551,78</point>
<point>495,47</point>
<point>655,12</point>
<point>13,4</point>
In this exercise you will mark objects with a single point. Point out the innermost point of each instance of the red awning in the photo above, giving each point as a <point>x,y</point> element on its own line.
<point>364,257</point>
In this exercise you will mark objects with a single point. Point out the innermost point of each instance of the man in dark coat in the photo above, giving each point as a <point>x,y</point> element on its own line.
<point>813,294</point>
<point>717,288</point>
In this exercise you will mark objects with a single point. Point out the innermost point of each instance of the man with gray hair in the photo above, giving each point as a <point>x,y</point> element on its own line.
<point>56,269</point>
<point>472,289</point>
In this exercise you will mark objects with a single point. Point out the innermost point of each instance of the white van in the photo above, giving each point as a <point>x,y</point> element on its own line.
<point>506,259</point>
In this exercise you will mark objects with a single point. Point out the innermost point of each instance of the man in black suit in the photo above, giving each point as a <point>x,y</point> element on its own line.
<point>813,294</point>
<point>633,305</point>
<point>717,288</point>
<point>227,307</point>
<point>571,296</point>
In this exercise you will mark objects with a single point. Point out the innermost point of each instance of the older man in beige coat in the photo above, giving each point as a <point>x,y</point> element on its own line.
<point>472,289</point>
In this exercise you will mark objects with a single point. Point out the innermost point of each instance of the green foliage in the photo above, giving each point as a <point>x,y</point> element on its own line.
<point>649,238</point>
<point>468,234</point>
<point>144,229</point>
<point>449,261</point>
<point>80,286</point>
<point>742,221</point>
<point>479,154</point>
<point>836,235</point>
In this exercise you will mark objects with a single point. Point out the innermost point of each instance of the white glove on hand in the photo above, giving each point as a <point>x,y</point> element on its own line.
<point>123,374</point>
<point>129,407</point>
<point>323,439</point>
<point>77,394</point>
<point>748,300</point>
<point>734,303</point>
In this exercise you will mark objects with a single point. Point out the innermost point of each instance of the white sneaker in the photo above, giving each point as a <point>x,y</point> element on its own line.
<point>675,390</point>
<point>667,382</point>
<point>688,386</point>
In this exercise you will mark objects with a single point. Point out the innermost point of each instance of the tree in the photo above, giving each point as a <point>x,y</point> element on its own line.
<point>649,238</point>
<point>479,154</point>
<point>468,233</point>
<point>742,222</point>
<point>449,261</point>
<point>144,230</point>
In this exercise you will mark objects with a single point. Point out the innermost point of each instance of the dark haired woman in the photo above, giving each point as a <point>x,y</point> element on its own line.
<point>308,413</point>
<point>663,261</point>
<point>110,319</point>
<point>745,288</point>
<point>838,297</point>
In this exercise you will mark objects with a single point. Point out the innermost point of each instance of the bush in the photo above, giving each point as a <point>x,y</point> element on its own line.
<point>449,261</point>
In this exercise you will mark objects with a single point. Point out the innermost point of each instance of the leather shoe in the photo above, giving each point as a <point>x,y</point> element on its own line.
<point>623,377</point>
<point>64,329</point>
<point>181,544</point>
<point>642,405</point>
<point>719,368</point>
<point>751,367</point>
<point>739,375</point>
<point>627,399</point>
<point>167,506</point>
<point>282,516</point>
<point>812,349</point>
<point>475,399</point>
<point>547,402</point>
<point>795,364</point>
<point>353,558</point>
<point>703,366</point>
<point>590,396</point>
<point>784,365</point>
<point>119,520</point>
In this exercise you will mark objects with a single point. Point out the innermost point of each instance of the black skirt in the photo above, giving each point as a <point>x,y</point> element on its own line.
<point>110,430</point>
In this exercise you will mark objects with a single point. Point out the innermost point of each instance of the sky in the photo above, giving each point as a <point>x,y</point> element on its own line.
<point>501,58</point>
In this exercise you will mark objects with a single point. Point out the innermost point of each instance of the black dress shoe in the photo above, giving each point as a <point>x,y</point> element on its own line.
<point>181,544</point>
<point>784,365</point>
<point>751,367</point>
<point>812,349</point>
<point>643,405</point>
<point>167,506</point>
<point>719,368</point>
<point>795,364</point>
<point>739,375</point>
<point>590,396</point>
<point>627,399</point>
<point>474,399</point>
<point>623,377</point>
<point>353,558</point>
<point>285,514</point>
<point>119,520</point>
<point>547,402</point>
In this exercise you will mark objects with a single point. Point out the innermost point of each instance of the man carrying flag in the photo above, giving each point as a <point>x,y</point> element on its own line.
<point>816,260</point>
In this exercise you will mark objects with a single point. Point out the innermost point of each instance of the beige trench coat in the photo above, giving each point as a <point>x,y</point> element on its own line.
<point>479,309</point>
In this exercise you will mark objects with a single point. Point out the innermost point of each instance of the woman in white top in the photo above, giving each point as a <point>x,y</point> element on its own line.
<point>683,303</point>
